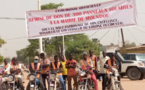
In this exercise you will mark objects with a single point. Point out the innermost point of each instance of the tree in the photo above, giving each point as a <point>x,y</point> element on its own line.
<point>1,43</point>
<point>51,6</point>
<point>128,44</point>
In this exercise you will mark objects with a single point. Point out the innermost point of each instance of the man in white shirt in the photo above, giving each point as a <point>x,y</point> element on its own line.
<point>7,67</point>
<point>102,72</point>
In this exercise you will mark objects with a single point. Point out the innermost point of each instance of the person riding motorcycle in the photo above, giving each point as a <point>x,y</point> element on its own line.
<point>45,70</point>
<point>6,67</point>
<point>111,63</point>
<point>15,68</point>
<point>36,66</point>
<point>86,62</point>
<point>57,65</point>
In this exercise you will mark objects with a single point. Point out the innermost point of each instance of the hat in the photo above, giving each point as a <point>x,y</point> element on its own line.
<point>84,53</point>
<point>36,57</point>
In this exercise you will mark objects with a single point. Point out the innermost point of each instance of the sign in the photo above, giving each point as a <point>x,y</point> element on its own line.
<point>58,22</point>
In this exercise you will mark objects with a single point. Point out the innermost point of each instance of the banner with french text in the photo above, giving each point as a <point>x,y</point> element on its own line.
<point>58,22</point>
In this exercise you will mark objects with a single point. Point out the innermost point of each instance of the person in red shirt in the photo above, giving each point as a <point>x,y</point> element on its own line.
<point>71,72</point>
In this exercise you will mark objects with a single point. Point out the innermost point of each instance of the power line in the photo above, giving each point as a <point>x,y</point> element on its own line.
<point>92,34</point>
<point>114,36</point>
<point>11,18</point>
<point>133,36</point>
<point>17,38</point>
<point>104,35</point>
<point>141,25</point>
<point>140,30</point>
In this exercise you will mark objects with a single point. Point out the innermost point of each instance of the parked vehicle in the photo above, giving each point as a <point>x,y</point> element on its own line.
<point>135,57</point>
<point>54,80</point>
<point>135,70</point>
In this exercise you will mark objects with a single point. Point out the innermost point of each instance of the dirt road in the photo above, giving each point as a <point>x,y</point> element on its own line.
<point>126,83</point>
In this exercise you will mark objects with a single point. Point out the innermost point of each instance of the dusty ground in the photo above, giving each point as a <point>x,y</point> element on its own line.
<point>126,83</point>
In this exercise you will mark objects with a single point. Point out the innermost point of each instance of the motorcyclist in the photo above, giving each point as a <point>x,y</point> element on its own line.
<point>36,66</point>
<point>94,62</point>
<point>111,63</point>
<point>85,63</point>
<point>45,70</point>
<point>57,65</point>
<point>15,68</point>
<point>7,67</point>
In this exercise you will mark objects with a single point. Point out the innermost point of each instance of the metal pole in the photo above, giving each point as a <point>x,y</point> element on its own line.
<point>63,45</point>
<point>123,43</point>
<point>40,39</point>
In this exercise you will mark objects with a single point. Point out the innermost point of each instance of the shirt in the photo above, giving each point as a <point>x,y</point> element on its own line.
<point>101,64</point>
<point>71,71</point>
<point>35,66</point>
<point>51,66</point>
<point>85,61</point>
<point>64,70</point>
<point>7,69</point>
<point>46,61</point>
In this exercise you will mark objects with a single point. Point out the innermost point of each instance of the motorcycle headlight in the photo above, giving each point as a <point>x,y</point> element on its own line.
<point>10,78</point>
<point>32,78</point>
<point>82,74</point>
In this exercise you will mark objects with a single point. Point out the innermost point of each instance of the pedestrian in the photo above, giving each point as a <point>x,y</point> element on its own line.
<point>102,72</point>
<point>84,63</point>
<point>71,72</point>
<point>45,69</point>
<point>64,70</point>
<point>94,62</point>
<point>57,65</point>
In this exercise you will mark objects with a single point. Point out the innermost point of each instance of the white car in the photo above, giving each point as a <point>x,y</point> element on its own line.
<point>135,70</point>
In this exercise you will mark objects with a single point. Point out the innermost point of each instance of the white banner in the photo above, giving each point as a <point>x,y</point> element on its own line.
<point>58,22</point>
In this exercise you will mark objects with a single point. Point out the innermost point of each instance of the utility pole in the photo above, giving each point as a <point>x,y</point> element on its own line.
<point>123,43</point>
<point>63,45</point>
<point>40,39</point>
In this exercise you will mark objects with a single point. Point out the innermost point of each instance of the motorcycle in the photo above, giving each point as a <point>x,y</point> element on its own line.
<point>13,81</point>
<point>113,80</point>
<point>34,83</point>
<point>4,82</point>
<point>86,82</point>
<point>54,80</point>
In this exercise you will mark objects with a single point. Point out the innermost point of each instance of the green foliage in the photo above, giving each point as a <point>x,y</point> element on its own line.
<point>128,44</point>
<point>51,6</point>
<point>76,44</point>
<point>1,59</point>
<point>2,42</point>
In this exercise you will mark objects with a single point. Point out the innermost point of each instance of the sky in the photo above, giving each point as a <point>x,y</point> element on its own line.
<point>14,31</point>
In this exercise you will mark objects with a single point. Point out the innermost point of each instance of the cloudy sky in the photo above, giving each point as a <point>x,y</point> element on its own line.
<point>14,31</point>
